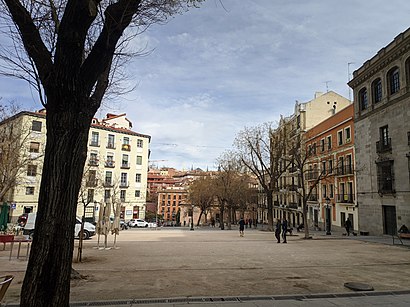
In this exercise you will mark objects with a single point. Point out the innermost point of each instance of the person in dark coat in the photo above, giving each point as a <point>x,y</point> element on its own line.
<point>241,227</point>
<point>348,226</point>
<point>284,229</point>
<point>277,230</point>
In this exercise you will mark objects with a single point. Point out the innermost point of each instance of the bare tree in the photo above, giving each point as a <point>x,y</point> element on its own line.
<point>20,157</point>
<point>201,194</point>
<point>67,50</point>
<point>261,153</point>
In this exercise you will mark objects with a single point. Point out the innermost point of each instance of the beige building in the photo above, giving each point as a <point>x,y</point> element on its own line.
<point>115,170</point>
<point>382,138</point>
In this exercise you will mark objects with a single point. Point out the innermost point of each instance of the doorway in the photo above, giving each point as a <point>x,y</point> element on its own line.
<point>389,220</point>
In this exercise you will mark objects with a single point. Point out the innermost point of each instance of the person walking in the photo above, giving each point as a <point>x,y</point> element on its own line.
<point>277,230</point>
<point>284,229</point>
<point>348,226</point>
<point>241,227</point>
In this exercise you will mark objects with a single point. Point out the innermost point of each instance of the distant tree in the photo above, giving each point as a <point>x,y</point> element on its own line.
<point>201,193</point>
<point>68,50</point>
<point>261,154</point>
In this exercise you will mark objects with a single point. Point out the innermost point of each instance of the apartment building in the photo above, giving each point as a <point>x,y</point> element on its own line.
<point>115,170</point>
<point>306,115</point>
<point>381,88</point>
<point>330,170</point>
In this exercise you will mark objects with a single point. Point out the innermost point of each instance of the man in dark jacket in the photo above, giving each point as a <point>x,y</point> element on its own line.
<point>284,229</point>
<point>277,230</point>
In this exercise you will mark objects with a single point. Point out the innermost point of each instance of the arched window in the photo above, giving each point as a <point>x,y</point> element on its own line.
<point>393,78</point>
<point>407,65</point>
<point>363,103</point>
<point>377,90</point>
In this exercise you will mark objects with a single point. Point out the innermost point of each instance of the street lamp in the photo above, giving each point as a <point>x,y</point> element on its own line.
<point>192,218</point>
<point>327,212</point>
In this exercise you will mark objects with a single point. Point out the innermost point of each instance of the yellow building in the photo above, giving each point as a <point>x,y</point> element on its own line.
<point>115,170</point>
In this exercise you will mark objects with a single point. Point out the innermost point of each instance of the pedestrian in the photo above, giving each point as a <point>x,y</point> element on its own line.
<point>284,229</point>
<point>348,225</point>
<point>250,223</point>
<point>256,223</point>
<point>277,230</point>
<point>241,227</point>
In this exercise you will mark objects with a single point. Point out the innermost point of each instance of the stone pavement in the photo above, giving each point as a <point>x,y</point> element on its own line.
<point>218,268</point>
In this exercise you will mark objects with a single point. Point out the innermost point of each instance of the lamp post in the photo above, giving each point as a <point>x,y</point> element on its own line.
<point>192,218</point>
<point>328,225</point>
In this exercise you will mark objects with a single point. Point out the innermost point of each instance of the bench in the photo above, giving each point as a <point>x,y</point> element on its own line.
<point>404,235</point>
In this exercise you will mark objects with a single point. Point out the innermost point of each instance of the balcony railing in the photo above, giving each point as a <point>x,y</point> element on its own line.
<point>312,175</point>
<point>383,146</point>
<point>109,164</point>
<point>292,187</point>
<point>312,197</point>
<point>111,145</point>
<point>125,165</point>
<point>345,198</point>
<point>293,205</point>
<point>124,184</point>
<point>93,162</point>
<point>126,147</point>
<point>344,170</point>
<point>91,182</point>
<point>95,143</point>
<point>108,183</point>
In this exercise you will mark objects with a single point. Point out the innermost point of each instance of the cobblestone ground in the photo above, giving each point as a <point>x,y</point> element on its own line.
<point>208,262</point>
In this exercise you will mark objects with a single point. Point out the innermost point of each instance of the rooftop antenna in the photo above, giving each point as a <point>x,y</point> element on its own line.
<point>348,79</point>
<point>327,85</point>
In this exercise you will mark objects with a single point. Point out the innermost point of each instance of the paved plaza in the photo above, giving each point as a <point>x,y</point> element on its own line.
<point>209,266</point>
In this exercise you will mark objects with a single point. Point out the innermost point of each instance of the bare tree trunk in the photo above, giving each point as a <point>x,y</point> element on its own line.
<point>305,221</point>
<point>47,282</point>
<point>269,199</point>
<point>222,212</point>
<point>199,218</point>
<point>229,223</point>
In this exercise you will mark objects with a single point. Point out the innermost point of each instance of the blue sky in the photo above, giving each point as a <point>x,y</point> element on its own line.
<point>216,69</point>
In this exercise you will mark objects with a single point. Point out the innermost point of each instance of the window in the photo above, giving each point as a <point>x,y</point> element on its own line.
<point>31,170</point>
<point>94,139</point>
<point>341,166</point>
<point>107,195</point>
<point>349,166</point>
<point>385,177</point>
<point>137,193</point>
<point>122,195</point>
<point>124,180</point>
<point>139,160</point>
<point>363,103</point>
<point>111,141</point>
<point>108,178</point>
<point>384,144</point>
<point>29,190</point>
<point>394,80</point>
<point>331,191</point>
<point>36,126</point>
<point>90,195</point>
<point>92,178</point>
<point>138,178</point>
<point>377,90</point>
<point>34,147</point>
<point>124,162</point>
<point>340,137</point>
<point>126,140</point>
<point>93,159</point>
<point>322,144</point>
<point>329,142</point>
<point>314,148</point>
<point>323,167</point>
<point>347,134</point>
<point>324,190</point>
<point>110,160</point>
<point>330,166</point>
<point>140,143</point>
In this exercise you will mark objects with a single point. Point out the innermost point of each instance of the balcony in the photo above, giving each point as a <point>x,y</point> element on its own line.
<point>383,146</point>
<point>110,164</point>
<point>93,162</point>
<point>124,184</point>
<point>108,183</point>
<point>312,175</point>
<point>312,197</point>
<point>95,143</point>
<point>293,205</point>
<point>125,165</point>
<point>344,170</point>
<point>111,145</point>
<point>345,198</point>
<point>126,147</point>
<point>293,187</point>
<point>91,183</point>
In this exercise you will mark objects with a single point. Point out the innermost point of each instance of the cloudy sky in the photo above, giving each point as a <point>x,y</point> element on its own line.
<point>231,63</point>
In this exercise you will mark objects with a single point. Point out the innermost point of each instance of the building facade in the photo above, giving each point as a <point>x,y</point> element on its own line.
<point>331,173</point>
<point>115,169</point>
<point>287,202</point>
<point>381,90</point>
